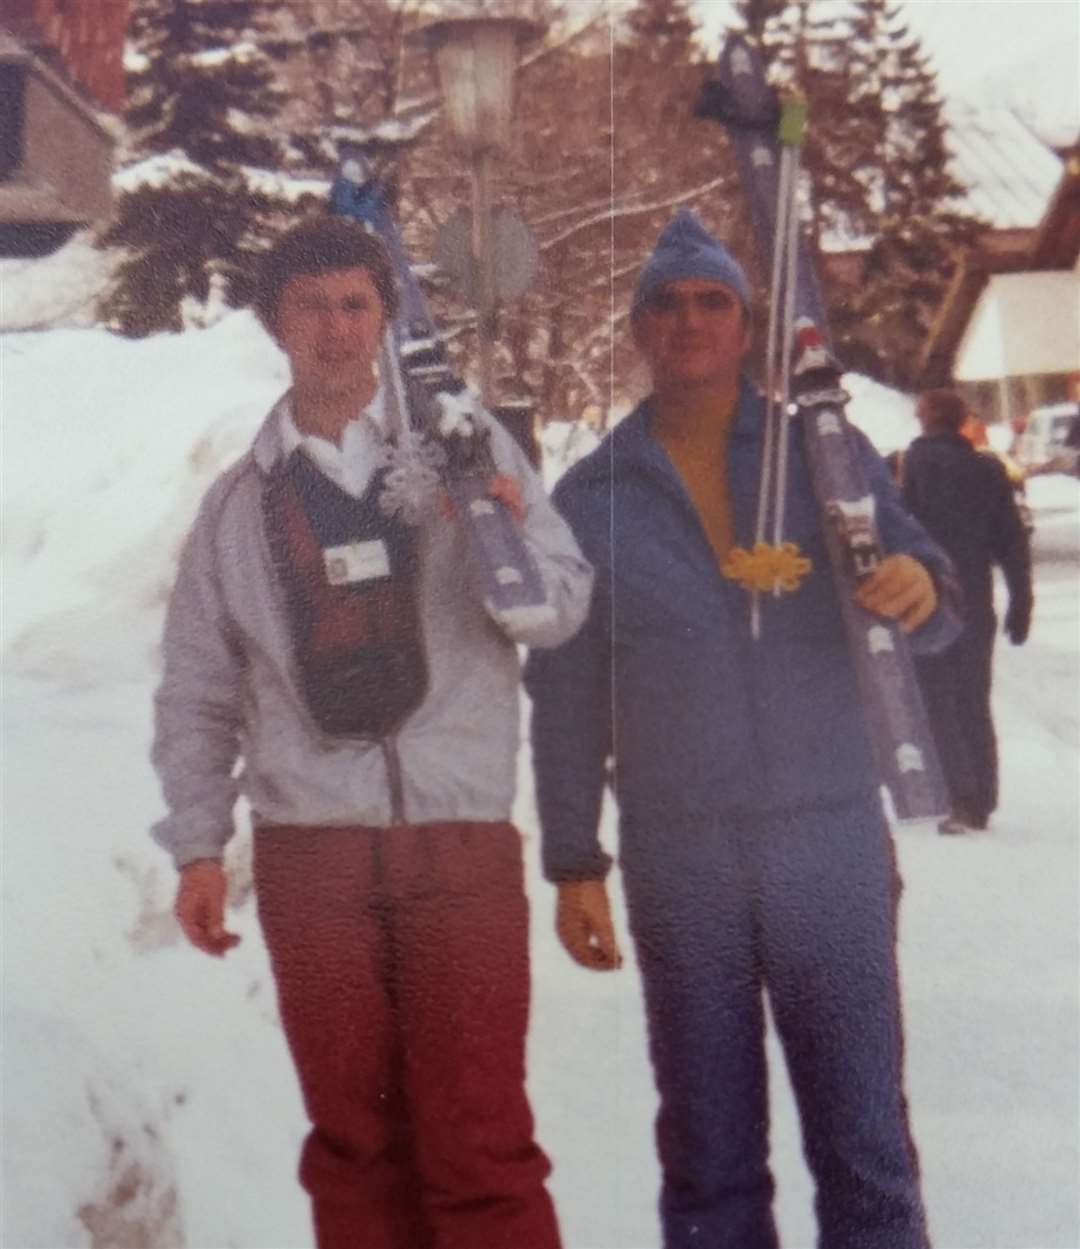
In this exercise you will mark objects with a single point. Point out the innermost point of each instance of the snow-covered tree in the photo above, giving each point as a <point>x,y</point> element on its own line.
<point>609,147</point>
<point>919,225</point>
<point>344,64</point>
<point>203,96</point>
<point>876,159</point>
<point>200,83</point>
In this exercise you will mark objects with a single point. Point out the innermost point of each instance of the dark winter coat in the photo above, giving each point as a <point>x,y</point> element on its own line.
<point>965,501</point>
<point>704,722</point>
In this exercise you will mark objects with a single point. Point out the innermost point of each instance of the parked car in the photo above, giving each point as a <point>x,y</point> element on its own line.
<point>1050,441</point>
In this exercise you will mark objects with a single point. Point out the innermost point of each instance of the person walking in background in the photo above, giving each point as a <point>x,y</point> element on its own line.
<point>753,846</point>
<point>346,657</point>
<point>966,502</point>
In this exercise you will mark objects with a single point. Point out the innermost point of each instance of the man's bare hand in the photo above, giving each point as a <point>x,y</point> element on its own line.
<point>508,489</point>
<point>583,922</point>
<point>900,589</point>
<point>200,907</point>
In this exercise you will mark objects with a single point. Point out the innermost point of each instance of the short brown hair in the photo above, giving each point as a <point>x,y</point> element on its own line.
<point>323,244</point>
<point>942,409</point>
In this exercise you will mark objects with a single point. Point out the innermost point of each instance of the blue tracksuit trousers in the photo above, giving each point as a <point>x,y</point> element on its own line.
<point>805,909</point>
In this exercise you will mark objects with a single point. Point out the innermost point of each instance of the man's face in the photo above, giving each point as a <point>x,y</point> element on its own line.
<point>693,335</point>
<point>330,325</point>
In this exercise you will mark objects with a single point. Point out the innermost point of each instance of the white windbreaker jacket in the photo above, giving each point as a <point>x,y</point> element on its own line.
<point>229,692</point>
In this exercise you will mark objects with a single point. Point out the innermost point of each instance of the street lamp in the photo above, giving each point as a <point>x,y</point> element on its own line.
<point>477,59</point>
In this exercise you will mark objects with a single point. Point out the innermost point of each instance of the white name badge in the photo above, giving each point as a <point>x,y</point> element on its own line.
<point>356,561</point>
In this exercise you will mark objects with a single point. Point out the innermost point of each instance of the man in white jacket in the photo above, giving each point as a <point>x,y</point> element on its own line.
<point>348,660</point>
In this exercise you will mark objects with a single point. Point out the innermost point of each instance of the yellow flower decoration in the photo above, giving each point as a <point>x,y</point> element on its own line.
<point>767,567</point>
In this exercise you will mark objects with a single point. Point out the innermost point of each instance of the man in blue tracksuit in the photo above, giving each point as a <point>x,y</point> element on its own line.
<point>753,847</point>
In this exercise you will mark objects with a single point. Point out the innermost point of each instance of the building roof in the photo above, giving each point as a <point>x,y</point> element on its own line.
<point>1009,174</point>
<point>1053,245</point>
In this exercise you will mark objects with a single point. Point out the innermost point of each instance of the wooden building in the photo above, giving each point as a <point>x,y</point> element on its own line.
<point>1008,331</point>
<point>61,75</point>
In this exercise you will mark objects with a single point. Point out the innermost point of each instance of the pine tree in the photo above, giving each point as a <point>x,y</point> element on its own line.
<point>202,94</point>
<point>876,159</point>
<point>344,63</point>
<point>808,47</point>
<point>919,226</point>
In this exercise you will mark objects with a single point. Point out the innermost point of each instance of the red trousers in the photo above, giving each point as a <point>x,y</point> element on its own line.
<point>401,962</point>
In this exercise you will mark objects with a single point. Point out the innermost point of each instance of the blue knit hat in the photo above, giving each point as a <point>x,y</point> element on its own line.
<point>685,249</point>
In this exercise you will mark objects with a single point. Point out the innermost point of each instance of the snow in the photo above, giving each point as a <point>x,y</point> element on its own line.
<point>1041,89</point>
<point>284,186</point>
<point>136,1067</point>
<point>213,58</point>
<point>135,60</point>
<point>1010,175</point>
<point>391,130</point>
<point>159,170</point>
<point>563,443</point>
<point>61,289</point>
<point>156,171</point>
<point>123,1189</point>
<point>886,417</point>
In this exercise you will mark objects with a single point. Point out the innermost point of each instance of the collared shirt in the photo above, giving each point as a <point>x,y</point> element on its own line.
<point>351,464</point>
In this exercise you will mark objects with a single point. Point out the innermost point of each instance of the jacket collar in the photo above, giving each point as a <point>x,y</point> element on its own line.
<point>947,435</point>
<point>633,441</point>
<point>268,447</point>
<point>272,444</point>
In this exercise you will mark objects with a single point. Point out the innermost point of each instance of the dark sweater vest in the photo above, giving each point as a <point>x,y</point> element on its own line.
<point>351,579</point>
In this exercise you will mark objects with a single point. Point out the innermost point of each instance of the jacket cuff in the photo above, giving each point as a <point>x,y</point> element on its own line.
<point>186,849</point>
<point>565,869</point>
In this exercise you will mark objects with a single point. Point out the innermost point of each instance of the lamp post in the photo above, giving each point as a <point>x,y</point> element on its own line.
<point>477,59</point>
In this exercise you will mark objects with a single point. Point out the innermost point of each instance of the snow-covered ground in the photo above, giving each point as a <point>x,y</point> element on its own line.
<point>148,1098</point>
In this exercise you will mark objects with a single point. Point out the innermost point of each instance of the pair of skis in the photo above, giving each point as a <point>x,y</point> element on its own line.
<point>435,422</point>
<point>740,99</point>
<point>432,402</point>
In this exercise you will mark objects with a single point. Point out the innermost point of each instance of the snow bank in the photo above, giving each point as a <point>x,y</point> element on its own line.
<point>53,291</point>
<point>886,417</point>
<point>85,1158</point>
<point>108,446</point>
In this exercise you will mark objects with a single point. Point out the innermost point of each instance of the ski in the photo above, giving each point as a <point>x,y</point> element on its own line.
<point>431,401</point>
<point>740,99</point>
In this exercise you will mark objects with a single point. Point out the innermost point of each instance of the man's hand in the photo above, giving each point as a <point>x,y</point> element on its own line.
<point>583,922</point>
<point>507,489</point>
<point>200,907</point>
<point>504,487</point>
<point>900,589</point>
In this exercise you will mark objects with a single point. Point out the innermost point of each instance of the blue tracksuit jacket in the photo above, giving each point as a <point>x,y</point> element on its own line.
<point>702,720</point>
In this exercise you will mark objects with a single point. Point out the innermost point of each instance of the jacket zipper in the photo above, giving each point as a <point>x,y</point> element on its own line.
<point>394,779</point>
